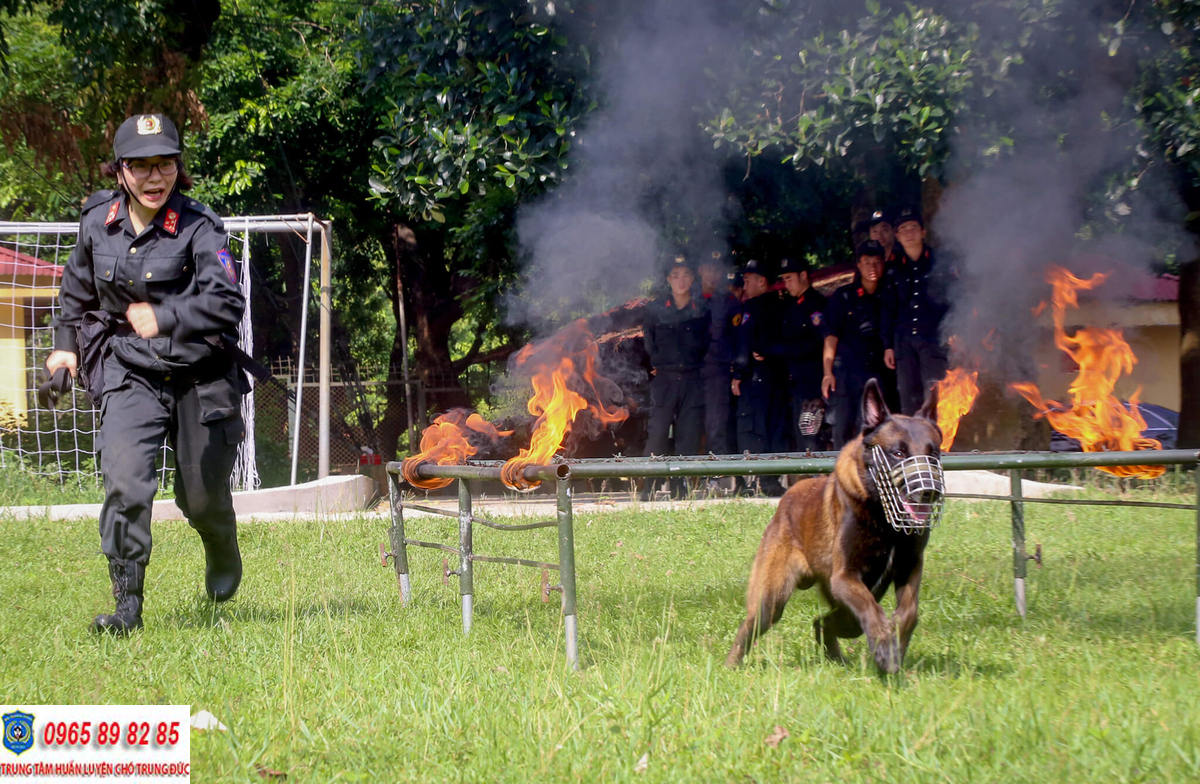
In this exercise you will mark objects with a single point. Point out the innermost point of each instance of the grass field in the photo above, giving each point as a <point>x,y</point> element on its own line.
<point>321,674</point>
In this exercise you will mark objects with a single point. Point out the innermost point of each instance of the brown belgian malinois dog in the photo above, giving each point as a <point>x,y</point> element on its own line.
<point>854,533</point>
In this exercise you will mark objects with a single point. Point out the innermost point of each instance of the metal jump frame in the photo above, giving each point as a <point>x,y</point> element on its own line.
<point>749,465</point>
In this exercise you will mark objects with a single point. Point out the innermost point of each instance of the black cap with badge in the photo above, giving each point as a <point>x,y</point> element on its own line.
<point>677,260</point>
<point>791,264</point>
<point>145,136</point>
<point>755,267</point>
<point>877,217</point>
<point>906,214</point>
<point>870,248</point>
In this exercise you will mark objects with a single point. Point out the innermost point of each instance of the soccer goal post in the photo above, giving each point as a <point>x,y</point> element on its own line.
<point>60,443</point>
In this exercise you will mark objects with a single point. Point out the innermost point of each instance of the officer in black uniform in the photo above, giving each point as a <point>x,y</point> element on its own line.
<point>795,339</point>
<point>853,346</point>
<point>146,296</point>
<point>915,303</point>
<point>724,309</point>
<point>881,229</point>
<point>676,334</point>
<point>761,426</point>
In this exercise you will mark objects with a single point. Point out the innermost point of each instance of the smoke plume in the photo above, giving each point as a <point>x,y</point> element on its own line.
<point>640,164</point>
<point>1057,198</point>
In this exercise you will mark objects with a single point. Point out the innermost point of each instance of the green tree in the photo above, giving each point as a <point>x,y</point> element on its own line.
<point>480,102</point>
<point>1167,96</point>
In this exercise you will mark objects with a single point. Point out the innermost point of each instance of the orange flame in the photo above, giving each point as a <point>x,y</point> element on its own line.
<point>445,442</point>
<point>1095,417</point>
<point>989,340</point>
<point>560,394</point>
<point>956,394</point>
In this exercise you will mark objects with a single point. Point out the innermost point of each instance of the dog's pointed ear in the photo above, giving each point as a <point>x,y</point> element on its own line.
<point>929,407</point>
<point>874,409</point>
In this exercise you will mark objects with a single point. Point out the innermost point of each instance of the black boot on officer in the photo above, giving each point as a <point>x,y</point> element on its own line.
<point>128,579</point>
<point>222,566</point>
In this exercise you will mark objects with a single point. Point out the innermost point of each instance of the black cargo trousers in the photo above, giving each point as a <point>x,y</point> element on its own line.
<point>199,415</point>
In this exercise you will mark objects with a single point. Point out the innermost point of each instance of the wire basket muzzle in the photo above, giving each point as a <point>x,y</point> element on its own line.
<point>810,420</point>
<point>912,490</point>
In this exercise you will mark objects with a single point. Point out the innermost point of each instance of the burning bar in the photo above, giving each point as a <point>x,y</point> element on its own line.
<point>955,461</point>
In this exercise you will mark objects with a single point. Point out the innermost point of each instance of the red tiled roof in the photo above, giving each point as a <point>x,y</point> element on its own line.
<point>14,263</point>
<point>1135,283</point>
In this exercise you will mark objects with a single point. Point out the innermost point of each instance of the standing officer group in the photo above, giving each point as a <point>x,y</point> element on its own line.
<point>783,360</point>
<point>886,323</point>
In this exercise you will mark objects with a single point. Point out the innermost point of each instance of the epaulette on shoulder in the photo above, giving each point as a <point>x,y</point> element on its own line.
<point>98,198</point>
<point>203,209</point>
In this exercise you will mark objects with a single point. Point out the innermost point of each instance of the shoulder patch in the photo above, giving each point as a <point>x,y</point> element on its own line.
<point>226,259</point>
<point>112,212</point>
<point>816,318</point>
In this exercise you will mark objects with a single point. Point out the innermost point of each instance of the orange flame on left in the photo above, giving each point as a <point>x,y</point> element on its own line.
<point>566,385</point>
<point>445,442</point>
<point>956,394</point>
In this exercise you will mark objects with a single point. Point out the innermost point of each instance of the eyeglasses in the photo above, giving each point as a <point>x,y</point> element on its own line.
<point>140,170</point>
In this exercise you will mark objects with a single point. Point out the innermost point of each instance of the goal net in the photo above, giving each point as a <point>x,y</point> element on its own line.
<point>61,443</point>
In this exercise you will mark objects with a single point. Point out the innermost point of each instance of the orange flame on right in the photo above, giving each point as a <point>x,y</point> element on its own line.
<point>1095,417</point>
<point>563,367</point>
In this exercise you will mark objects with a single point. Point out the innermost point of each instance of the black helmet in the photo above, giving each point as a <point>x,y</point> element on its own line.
<point>145,136</point>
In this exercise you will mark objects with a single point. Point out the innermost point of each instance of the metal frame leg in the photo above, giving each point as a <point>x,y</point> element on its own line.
<point>396,539</point>
<point>566,568</point>
<point>465,577</point>
<point>1018,540</point>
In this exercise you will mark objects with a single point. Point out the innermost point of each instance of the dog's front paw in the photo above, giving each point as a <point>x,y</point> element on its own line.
<point>887,654</point>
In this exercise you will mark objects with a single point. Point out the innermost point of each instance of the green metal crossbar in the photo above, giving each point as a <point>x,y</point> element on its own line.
<point>732,465</point>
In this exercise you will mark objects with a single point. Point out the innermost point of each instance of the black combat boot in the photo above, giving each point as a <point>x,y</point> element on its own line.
<point>222,566</point>
<point>127,577</point>
<point>679,488</point>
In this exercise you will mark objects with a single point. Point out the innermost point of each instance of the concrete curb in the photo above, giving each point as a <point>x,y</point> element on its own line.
<point>331,495</point>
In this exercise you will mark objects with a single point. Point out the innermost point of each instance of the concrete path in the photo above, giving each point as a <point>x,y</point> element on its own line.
<point>350,495</point>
